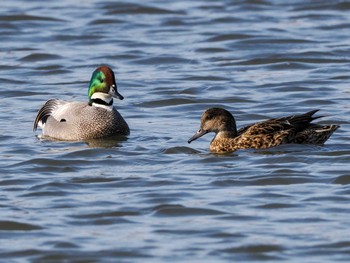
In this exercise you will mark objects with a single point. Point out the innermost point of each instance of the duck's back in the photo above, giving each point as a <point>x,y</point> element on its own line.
<point>80,121</point>
<point>257,136</point>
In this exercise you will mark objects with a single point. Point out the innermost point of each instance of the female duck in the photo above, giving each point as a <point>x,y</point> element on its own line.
<point>76,121</point>
<point>269,133</point>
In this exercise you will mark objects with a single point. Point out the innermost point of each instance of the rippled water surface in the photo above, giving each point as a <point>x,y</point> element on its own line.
<point>152,197</point>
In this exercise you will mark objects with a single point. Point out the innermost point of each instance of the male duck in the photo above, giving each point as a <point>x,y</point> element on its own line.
<point>269,133</point>
<point>76,121</point>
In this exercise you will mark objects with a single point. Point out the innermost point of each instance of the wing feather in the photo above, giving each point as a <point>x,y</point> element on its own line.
<point>47,110</point>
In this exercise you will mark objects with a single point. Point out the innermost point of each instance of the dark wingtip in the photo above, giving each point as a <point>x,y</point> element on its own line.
<point>44,112</point>
<point>312,112</point>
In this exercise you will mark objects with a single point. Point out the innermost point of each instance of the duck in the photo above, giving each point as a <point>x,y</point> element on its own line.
<point>79,121</point>
<point>296,129</point>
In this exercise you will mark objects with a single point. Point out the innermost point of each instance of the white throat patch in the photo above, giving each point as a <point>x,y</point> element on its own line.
<point>102,96</point>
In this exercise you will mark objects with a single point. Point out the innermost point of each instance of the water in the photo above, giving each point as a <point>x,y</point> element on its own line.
<point>152,197</point>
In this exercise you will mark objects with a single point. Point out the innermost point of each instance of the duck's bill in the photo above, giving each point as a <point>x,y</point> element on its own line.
<point>114,93</point>
<point>198,134</point>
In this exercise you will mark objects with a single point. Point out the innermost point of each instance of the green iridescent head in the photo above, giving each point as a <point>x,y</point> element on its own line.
<point>103,80</point>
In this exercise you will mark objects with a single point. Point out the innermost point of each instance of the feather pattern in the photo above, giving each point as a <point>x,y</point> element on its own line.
<point>50,108</point>
<point>262,135</point>
<point>76,121</point>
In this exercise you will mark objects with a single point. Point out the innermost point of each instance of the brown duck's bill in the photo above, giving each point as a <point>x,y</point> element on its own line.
<point>198,134</point>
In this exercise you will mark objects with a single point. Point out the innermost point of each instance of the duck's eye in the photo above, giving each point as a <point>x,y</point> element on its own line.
<point>208,117</point>
<point>102,80</point>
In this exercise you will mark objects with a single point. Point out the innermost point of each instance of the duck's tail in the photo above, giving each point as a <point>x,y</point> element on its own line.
<point>315,134</point>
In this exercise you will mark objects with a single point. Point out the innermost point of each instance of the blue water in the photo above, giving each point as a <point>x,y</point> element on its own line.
<point>152,197</point>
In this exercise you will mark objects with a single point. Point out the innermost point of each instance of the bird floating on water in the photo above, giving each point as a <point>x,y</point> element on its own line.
<point>77,121</point>
<point>291,129</point>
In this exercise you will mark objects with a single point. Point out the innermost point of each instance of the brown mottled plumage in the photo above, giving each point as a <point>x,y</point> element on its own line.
<point>266,134</point>
<point>76,121</point>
